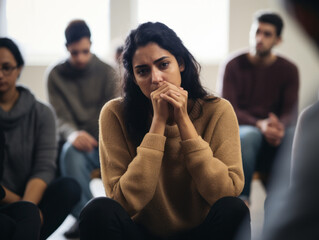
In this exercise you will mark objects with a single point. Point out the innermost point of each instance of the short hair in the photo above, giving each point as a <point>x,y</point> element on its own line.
<point>13,48</point>
<point>271,18</point>
<point>76,30</point>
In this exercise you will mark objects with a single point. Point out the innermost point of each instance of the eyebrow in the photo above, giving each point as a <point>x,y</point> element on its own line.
<point>156,61</point>
<point>6,63</point>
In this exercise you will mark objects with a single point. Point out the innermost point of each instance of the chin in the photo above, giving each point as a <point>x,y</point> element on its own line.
<point>263,53</point>
<point>80,65</point>
<point>3,88</point>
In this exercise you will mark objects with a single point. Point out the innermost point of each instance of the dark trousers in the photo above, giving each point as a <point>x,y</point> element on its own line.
<point>19,220</point>
<point>57,202</point>
<point>22,219</point>
<point>104,218</point>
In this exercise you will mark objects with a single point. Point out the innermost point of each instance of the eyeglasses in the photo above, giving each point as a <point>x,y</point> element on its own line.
<point>7,70</point>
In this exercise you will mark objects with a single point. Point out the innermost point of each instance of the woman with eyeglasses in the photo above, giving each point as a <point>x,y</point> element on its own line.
<point>170,152</point>
<point>29,162</point>
<point>18,220</point>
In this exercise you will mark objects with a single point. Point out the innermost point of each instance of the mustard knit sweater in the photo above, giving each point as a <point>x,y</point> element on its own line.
<point>166,184</point>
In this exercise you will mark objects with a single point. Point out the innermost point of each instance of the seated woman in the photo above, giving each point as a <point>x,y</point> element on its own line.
<point>29,163</point>
<point>170,152</point>
<point>19,220</point>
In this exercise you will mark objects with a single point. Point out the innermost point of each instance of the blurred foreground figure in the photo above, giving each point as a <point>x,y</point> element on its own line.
<point>294,213</point>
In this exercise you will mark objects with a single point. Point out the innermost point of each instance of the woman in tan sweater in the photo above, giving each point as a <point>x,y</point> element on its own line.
<point>170,153</point>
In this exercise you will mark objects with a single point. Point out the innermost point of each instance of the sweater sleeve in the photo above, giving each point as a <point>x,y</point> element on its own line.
<point>65,122</point>
<point>216,167</point>
<point>230,92</point>
<point>45,151</point>
<point>130,180</point>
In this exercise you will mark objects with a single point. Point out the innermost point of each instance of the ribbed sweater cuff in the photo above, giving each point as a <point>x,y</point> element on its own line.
<point>154,141</point>
<point>193,145</point>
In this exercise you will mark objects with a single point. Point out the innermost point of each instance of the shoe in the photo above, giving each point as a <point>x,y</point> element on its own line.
<point>74,231</point>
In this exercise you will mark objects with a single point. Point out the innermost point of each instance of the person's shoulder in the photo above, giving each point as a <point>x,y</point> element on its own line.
<point>237,57</point>
<point>114,105</point>
<point>58,65</point>
<point>56,68</point>
<point>102,64</point>
<point>310,113</point>
<point>217,105</point>
<point>43,109</point>
<point>286,63</point>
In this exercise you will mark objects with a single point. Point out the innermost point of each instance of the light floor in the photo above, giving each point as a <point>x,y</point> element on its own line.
<point>256,209</point>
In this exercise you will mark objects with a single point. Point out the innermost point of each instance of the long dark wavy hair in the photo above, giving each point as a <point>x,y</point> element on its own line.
<point>137,107</point>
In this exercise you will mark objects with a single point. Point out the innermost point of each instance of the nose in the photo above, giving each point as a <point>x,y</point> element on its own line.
<point>259,37</point>
<point>156,76</point>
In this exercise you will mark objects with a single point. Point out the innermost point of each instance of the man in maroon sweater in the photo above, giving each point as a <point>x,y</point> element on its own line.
<point>263,89</point>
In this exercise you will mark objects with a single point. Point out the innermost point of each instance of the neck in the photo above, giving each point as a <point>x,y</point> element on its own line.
<point>8,99</point>
<point>261,60</point>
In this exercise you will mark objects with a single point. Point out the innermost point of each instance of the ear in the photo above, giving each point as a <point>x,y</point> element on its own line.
<point>181,64</point>
<point>279,40</point>
<point>19,69</point>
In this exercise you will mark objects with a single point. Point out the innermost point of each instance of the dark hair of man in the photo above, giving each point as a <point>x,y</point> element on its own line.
<point>75,31</point>
<point>13,48</point>
<point>271,18</point>
<point>137,107</point>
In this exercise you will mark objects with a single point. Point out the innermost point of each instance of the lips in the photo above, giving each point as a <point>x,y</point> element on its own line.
<point>259,45</point>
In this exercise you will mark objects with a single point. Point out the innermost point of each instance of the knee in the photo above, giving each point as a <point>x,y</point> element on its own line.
<point>71,157</point>
<point>69,151</point>
<point>27,210</point>
<point>233,208</point>
<point>97,208</point>
<point>251,137</point>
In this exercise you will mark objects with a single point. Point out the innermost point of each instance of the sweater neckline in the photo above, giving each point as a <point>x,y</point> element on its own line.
<point>172,131</point>
<point>23,106</point>
<point>261,67</point>
<point>84,70</point>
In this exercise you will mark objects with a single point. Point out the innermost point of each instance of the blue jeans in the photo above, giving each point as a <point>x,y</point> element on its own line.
<point>79,165</point>
<point>258,154</point>
<point>251,139</point>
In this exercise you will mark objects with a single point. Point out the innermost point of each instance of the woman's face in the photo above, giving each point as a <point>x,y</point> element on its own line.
<point>8,70</point>
<point>152,65</point>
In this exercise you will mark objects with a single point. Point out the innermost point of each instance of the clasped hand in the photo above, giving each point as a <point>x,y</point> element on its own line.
<point>168,98</point>
<point>272,129</point>
<point>83,141</point>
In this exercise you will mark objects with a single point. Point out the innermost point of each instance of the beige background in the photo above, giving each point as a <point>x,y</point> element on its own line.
<point>295,46</point>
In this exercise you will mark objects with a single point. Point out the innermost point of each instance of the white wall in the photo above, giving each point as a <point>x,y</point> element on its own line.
<point>295,46</point>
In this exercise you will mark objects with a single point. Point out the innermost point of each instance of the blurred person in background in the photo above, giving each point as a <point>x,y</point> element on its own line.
<point>263,89</point>
<point>77,88</point>
<point>29,164</point>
